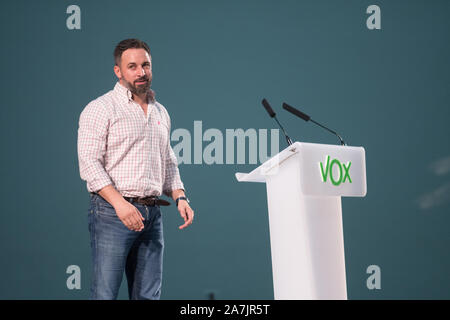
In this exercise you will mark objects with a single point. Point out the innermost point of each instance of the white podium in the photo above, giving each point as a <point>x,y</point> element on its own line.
<point>305,183</point>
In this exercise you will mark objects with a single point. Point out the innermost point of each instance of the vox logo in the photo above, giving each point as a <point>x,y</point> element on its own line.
<point>343,170</point>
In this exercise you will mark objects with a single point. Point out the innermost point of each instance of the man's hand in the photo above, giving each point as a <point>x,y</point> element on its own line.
<point>186,213</point>
<point>127,213</point>
<point>130,216</point>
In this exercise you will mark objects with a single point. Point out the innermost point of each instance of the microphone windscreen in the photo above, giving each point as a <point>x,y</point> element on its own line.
<point>268,108</point>
<point>298,113</point>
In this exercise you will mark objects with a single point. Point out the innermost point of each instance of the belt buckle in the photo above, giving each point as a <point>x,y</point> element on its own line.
<point>140,200</point>
<point>154,200</point>
<point>149,200</point>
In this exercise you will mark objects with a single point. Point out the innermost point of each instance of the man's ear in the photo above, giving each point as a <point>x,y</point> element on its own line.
<point>117,72</point>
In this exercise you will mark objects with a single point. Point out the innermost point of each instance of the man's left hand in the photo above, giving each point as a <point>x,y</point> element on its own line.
<point>186,213</point>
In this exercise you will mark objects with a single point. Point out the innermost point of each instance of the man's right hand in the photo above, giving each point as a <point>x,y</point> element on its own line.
<point>127,213</point>
<point>130,216</point>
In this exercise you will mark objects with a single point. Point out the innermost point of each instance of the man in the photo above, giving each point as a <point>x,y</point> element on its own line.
<point>125,157</point>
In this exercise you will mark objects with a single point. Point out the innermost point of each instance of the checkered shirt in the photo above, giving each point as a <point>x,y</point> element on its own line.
<point>119,145</point>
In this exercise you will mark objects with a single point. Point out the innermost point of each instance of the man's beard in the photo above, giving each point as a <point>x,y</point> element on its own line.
<point>141,89</point>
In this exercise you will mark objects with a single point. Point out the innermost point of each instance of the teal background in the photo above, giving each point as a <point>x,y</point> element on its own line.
<point>387,90</point>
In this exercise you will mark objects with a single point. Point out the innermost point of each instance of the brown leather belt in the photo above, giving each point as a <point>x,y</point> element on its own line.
<point>148,201</point>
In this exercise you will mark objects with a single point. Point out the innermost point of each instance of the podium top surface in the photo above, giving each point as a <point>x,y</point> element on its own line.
<point>325,170</point>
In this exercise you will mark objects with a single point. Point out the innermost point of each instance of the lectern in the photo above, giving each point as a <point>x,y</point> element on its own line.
<point>305,183</point>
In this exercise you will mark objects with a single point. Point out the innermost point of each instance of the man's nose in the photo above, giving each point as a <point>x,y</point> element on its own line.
<point>141,71</point>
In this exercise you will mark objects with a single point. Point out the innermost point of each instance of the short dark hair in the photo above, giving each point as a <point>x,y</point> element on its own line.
<point>127,44</point>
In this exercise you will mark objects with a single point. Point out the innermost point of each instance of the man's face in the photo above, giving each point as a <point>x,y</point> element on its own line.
<point>135,71</point>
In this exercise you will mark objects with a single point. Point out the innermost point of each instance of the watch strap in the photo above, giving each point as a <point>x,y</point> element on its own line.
<point>181,198</point>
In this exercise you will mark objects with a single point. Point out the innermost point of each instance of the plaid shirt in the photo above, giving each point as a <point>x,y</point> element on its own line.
<point>119,145</point>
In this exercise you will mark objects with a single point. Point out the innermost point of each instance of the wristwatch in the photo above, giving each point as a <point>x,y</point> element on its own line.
<point>181,198</point>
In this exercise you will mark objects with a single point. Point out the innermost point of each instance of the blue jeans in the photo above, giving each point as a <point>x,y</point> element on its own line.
<point>116,249</point>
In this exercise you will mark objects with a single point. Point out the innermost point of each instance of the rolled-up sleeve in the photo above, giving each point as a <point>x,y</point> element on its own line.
<point>92,143</point>
<point>172,179</point>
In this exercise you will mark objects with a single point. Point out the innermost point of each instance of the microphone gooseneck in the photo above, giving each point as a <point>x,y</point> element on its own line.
<point>272,114</point>
<point>305,117</point>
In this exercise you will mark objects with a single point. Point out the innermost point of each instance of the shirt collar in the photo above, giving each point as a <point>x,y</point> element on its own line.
<point>124,93</point>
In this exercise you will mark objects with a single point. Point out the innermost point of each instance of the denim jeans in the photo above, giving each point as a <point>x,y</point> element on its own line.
<point>116,249</point>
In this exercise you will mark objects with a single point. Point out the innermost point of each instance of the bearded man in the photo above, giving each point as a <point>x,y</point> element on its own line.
<point>126,159</point>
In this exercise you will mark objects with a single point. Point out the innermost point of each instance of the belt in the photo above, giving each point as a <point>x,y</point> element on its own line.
<point>148,201</point>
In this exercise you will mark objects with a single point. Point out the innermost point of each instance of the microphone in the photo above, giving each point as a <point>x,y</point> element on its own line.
<point>273,115</point>
<point>305,117</point>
